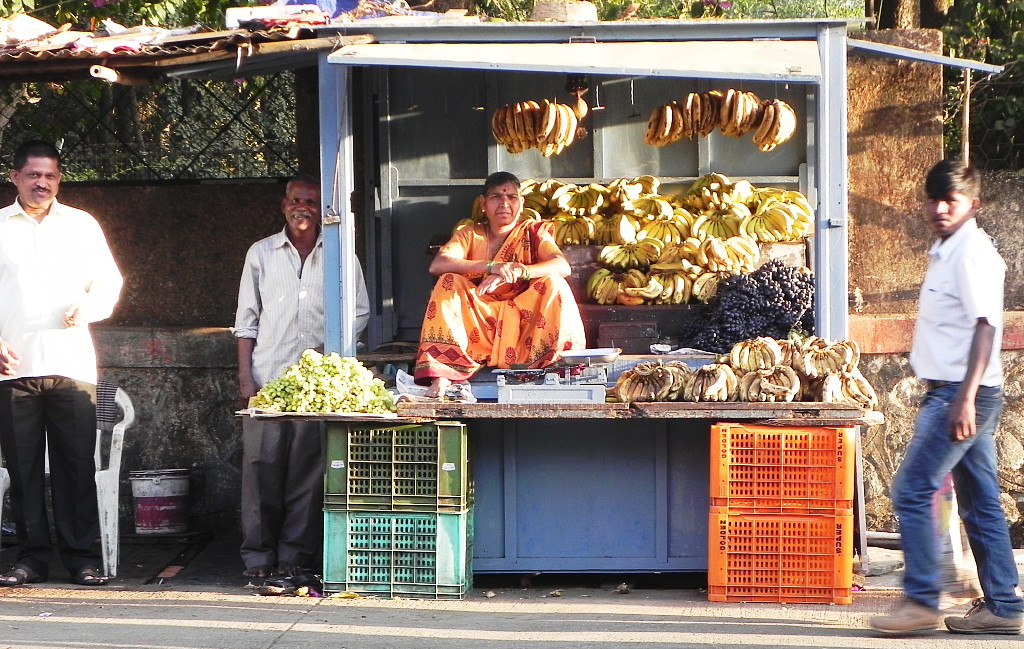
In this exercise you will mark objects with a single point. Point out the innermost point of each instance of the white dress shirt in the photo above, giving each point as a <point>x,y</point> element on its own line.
<point>281,304</point>
<point>45,268</point>
<point>963,284</point>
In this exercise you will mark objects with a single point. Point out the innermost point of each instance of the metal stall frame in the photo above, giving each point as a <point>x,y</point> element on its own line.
<point>792,51</point>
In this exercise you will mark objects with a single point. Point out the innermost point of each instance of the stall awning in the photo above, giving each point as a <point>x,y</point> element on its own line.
<point>870,48</point>
<point>767,60</point>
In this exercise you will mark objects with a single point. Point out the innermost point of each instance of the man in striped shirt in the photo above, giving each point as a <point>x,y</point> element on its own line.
<point>281,314</point>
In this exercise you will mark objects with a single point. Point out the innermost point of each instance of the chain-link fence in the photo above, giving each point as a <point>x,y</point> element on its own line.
<point>996,118</point>
<point>174,131</point>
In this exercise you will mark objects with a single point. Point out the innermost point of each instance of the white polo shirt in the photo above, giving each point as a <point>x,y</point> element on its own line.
<point>45,267</point>
<point>963,284</point>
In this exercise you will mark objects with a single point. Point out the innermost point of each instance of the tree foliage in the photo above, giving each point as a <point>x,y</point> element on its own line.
<point>84,14</point>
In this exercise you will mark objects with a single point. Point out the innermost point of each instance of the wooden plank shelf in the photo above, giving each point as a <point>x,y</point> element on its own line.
<point>797,413</point>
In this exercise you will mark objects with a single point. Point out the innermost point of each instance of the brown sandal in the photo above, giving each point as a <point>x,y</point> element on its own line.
<point>20,575</point>
<point>89,576</point>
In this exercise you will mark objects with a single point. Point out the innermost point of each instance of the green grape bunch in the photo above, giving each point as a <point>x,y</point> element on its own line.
<point>325,383</point>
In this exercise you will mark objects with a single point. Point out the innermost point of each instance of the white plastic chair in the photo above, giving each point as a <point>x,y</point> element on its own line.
<point>109,398</point>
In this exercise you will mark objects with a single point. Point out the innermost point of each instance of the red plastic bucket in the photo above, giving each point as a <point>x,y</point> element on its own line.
<point>161,501</point>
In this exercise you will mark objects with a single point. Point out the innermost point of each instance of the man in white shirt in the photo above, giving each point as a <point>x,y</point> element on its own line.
<point>956,353</point>
<point>56,276</point>
<point>281,314</point>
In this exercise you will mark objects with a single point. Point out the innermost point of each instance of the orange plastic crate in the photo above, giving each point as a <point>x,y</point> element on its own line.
<point>780,557</point>
<point>772,469</point>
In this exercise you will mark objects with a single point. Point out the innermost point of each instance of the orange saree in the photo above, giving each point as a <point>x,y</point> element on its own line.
<point>525,325</point>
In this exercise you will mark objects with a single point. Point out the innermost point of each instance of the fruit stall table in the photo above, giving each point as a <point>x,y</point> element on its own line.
<point>603,487</point>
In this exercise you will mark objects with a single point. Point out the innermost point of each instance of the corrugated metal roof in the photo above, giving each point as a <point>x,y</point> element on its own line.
<point>226,54</point>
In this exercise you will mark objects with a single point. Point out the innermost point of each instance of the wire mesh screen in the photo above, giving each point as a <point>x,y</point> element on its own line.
<point>997,120</point>
<point>175,131</point>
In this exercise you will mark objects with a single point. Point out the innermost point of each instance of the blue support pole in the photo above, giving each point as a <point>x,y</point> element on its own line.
<point>336,185</point>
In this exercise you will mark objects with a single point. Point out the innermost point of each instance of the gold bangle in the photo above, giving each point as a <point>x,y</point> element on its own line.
<point>490,267</point>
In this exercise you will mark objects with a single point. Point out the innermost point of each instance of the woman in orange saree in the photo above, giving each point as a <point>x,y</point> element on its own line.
<point>501,298</point>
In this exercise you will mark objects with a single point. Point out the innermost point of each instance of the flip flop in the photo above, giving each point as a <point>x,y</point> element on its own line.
<point>89,576</point>
<point>21,575</point>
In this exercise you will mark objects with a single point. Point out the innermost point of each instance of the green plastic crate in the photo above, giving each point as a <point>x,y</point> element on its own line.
<point>420,468</point>
<point>391,554</point>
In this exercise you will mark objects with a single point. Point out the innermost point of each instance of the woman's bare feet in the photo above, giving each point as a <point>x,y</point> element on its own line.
<point>437,387</point>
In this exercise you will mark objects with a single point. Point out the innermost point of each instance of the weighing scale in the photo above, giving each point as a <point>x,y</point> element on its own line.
<point>579,376</point>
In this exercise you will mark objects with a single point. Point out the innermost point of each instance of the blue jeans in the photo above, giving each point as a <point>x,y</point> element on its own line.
<point>931,455</point>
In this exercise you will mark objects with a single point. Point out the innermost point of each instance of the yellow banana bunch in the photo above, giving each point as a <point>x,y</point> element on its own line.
<point>665,125</point>
<point>712,382</point>
<point>720,220</point>
<point>858,390</point>
<point>845,387</point>
<point>536,200</point>
<point>574,230</point>
<point>772,221</point>
<point>652,207</point>
<point>515,125</point>
<point>556,128</point>
<point>648,292</point>
<point>818,357</point>
<point>778,383</point>
<point>740,113</point>
<point>605,286</point>
<point>743,253</point>
<point>755,354</point>
<point>777,125</point>
<point>674,230</point>
<point>676,287</point>
<point>705,287</point>
<point>579,201</point>
<point>623,228</point>
<point>527,124</point>
<point>529,214</point>
<point>640,254</point>
<point>651,381</point>
<point>734,255</point>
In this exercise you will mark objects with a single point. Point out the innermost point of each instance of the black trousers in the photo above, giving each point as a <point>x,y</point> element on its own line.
<point>59,413</point>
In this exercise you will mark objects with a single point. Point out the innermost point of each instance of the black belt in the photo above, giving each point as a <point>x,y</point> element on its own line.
<point>930,385</point>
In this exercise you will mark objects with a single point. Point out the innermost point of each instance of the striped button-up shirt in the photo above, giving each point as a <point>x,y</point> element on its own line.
<point>281,304</point>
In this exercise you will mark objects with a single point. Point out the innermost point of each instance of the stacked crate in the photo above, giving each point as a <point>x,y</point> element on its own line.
<point>781,522</point>
<point>397,510</point>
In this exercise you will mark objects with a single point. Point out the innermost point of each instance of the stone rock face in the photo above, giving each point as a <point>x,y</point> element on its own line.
<point>883,446</point>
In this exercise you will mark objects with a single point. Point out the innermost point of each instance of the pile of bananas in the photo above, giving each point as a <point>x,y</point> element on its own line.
<point>710,231</point>
<point>814,369</point>
<point>712,382</point>
<point>652,381</point>
<point>548,127</point>
<point>757,370</point>
<point>734,112</point>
